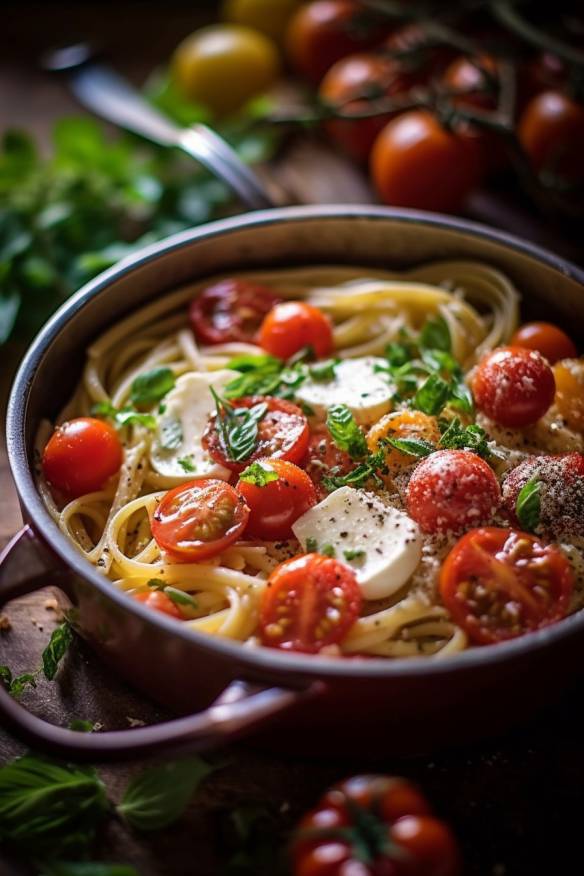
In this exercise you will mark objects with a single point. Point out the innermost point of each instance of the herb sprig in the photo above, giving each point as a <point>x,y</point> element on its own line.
<point>57,647</point>
<point>238,427</point>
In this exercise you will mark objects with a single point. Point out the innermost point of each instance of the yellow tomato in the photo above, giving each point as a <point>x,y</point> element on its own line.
<point>402,424</point>
<point>268,16</point>
<point>222,66</point>
<point>569,377</point>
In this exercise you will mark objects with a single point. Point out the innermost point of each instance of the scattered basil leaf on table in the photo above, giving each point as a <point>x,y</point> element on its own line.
<point>59,643</point>
<point>81,725</point>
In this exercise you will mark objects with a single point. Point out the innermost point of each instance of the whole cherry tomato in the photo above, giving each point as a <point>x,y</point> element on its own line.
<point>292,325</point>
<point>500,583</point>
<point>560,485</point>
<point>551,131</point>
<point>471,75</point>
<point>513,386</point>
<point>275,504</point>
<point>81,455</point>
<point>543,72</point>
<point>569,377</point>
<point>547,339</point>
<point>157,600</point>
<point>230,310</point>
<point>415,162</point>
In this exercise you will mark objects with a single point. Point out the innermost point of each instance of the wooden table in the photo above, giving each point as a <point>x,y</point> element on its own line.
<point>514,802</point>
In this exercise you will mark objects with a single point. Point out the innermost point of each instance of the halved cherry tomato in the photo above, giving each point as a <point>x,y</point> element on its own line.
<point>292,325</point>
<point>561,492</point>
<point>230,310</point>
<point>569,377</point>
<point>198,520</point>
<point>81,455</point>
<point>513,386</point>
<point>547,339</point>
<point>282,433</point>
<point>325,31</point>
<point>323,457</point>
<point>275,506</point>
<point>415,162</point>
<point>158,601</point>
<point>500,583</point>
<point>551,131</point>
<point>310,601</point>
<point>402,424</point>
<point>451,490</point>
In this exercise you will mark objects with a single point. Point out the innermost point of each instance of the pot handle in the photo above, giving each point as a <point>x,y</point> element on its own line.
<point>240,708</point>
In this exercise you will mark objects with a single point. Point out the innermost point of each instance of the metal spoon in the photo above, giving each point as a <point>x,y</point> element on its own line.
<point>110,96</point>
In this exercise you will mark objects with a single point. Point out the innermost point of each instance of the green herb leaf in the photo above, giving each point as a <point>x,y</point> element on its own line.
<point>311,545</point>
<point>5,675</point>
<point>435,335</point>
<point>345,432</point>
<point>258,474</point>
<point>180,597</point>
<point>238,427</point>
<point>397,354</point>
<point>151,386</point>
<point>87,868</point>
<point>187,464</point>
<point>327,550</point>
<point>528,504</point>
<point>171,433</point>
<point>432,395</point>
<point>354,554</point>
<point>159,796</point>
<point>323,371</point>
<point>123,417</point>
<point>461,397</point>
<point>19,684</point>
<point>455,436</point>
<point>82,725</point>
<point>58,646</point>
<point>412,446</point>
<point>247,362</point>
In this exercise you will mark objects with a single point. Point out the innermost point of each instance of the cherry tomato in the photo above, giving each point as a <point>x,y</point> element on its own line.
<point>551,131</point>
<point>282,433</point>
<point>224,65</point>
<point>270,17</point>
<point>325,31</point>
<point>158,601</point>
<point>310,601</point>
<point>292,325</point>
<point>278,504</point>
<point>348,84</point>
<point>389,796</point>
<point>413,39</point>
<point>542,73</point>
<point>323,457</point>
<point>547,339</point>
<point>402,424</point>
<point>430,843</point>
<point>569,377</point>
<point>230,310</point>
<point>513,386</point>
<point>561,492</point>
<point>451,490</point>
<point>500,583</point>
<point>198,520</point>
<point>81,455</point>
<point>415,162</point>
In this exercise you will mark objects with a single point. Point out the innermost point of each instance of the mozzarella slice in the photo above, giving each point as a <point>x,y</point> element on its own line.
<point>356,384</point>
<point>354,520</point>
<point>186,411</point>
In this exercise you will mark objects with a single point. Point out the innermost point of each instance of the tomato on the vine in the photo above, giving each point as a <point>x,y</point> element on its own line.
<point>230,310</point>
<point>500,583</point>
<point>513,386</point>
<point>81,455</point>
<point>551,131</point>
<point>276,504</point>
<point>293,325</point>
<point>547,339</point>
<point>474,78</point>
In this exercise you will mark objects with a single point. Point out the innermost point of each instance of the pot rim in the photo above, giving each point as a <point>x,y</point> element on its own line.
<point>262,659</point>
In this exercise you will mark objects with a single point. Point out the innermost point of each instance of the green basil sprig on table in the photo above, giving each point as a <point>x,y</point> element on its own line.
<point>528,504</point>
<point>57,647</point>
<point>238,427</point>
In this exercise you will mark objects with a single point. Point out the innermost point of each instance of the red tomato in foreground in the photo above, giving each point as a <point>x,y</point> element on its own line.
<point>81,455</point>
<point>451,490</point>
<point>310,601</point>
<point>282,433</point>
<point>323,457</point>
<point>198,520</point>
<point>325,31</point>
<point>547,339</point>
<point>551,131</point>
<point>278,504</point>
<point>513,386</point>
<point>374,825</point>
<point>158,601</point>
<point>292,325</point>
<point>561,492</point>
<point>500,583</point>
<point>415,162</point>
<point>230,310</point>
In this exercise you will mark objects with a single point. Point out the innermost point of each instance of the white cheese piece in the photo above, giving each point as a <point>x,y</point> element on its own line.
<point>186,411</point>
<point>355,520</point>
<point>356,384</point>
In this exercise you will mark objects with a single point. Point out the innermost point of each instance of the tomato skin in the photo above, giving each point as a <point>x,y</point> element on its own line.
<point>324,31</point>
<point>296,604</point>
<point>198,520</point>
<point>230,310</point>
<point>282,433</point>
<point>158,601</point>
<point>392,797</point>
<point>451,490</point>
<point>551,131</point>
<point>270,17</point>
<point>463,75</point>
<point>81,455</point>
<point>561,493</point>
<point>402,424</point>
<point>569,377</point>
<point>547,339</point>
<point>277,505</point>
<point>323,455</point>
<point>416,163</point>
<point>292,325</point>
<point>501,583</point>
<point>513,386</point>
<point>431,844</point>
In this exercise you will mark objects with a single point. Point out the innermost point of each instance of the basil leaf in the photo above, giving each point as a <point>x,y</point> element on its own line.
<point>156,583</point>
<point>151,386</point>
<point>171,433</point>
<point>412,446</point>
<point>461,397</point>
<point>247,362</point>
<point>458,437</point>
<point>58,646</point>
<point>103,409</point>
<point>345,432</point>
<point>242,433</point>
<point>19,684</point>
<point>129,417</point>
<point>432,395</point>
<point>258,474</point>
<point>5,675</point>
<point>311,545</point>
<point>323,371</point>
<point>439,360</point>
<point>528,504</point>
<point>397,354</point>
<point>87,868</point>
<point>327,550</point>
<point>436,335</point>
<point>180,597</point>
<point>260,382</point>
<point>159,796</point>
<point>187,464</point>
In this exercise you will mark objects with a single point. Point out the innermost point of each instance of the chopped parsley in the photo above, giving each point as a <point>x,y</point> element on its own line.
<point>324,370</point>
<point>258,474</point>
<point>528,504</point>
<point>327,550</point>
<point>187,464</point>
<point>354,554</point>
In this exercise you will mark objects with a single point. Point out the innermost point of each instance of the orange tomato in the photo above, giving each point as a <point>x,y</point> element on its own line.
<point>569,376</point>
<point>402,424</point>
